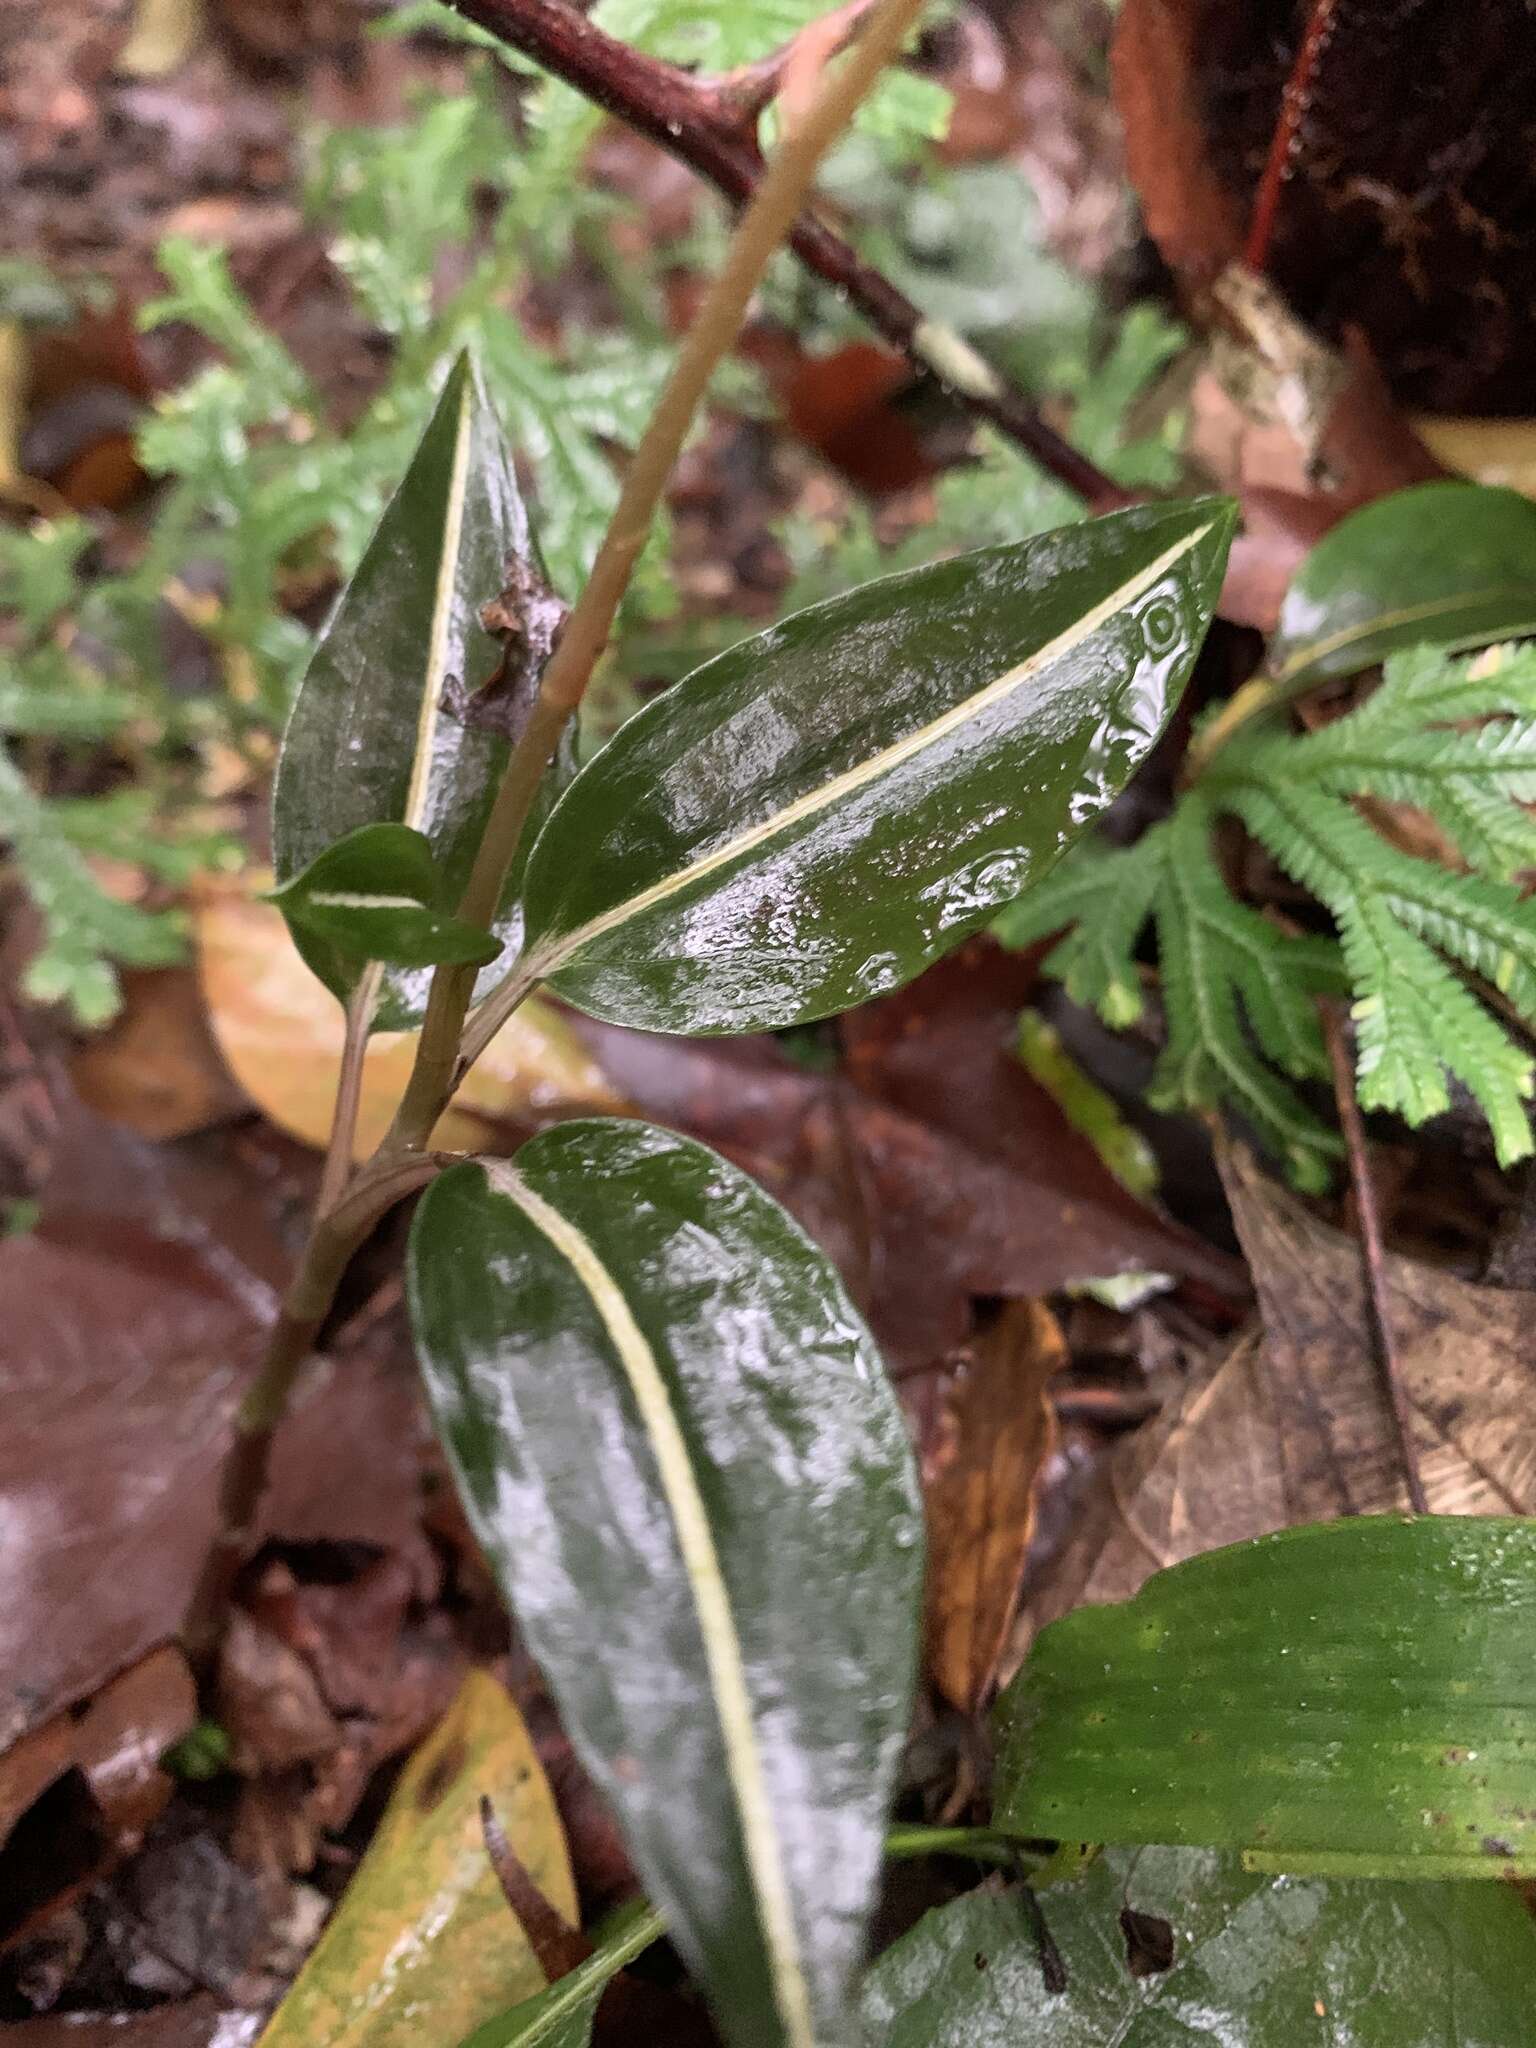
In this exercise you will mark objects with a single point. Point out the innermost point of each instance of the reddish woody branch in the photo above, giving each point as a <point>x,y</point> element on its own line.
<point>710,125</point>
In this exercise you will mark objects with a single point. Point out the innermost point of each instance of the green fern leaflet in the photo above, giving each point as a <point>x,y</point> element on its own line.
<point>1453,740</point>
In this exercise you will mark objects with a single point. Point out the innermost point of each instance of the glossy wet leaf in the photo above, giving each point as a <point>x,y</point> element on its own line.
<point>1258,1962</point>
<point>1440,565</point>
<point>562,2015</point>
<point>1354,1697</point>
<point>813,817</point>
<point>422,1946</point>
<point>377,894</point>
<point>371,739</point>
<point>676,1444</point>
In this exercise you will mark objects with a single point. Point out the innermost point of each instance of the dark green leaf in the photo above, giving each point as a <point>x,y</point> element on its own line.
<point>1258,1962</point>
<point>376,895</point>
<point>1354,1698</point>
<point>1440,565</point>
<point>371,740</point>
<point>562,2016</point>
<point>813,817</point>
<point>676,1443</point>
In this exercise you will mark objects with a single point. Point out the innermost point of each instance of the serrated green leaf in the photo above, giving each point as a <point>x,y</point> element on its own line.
<point>1257,1962</point>
<point>813,817</point>
<point>1442,565</point>
<point>1346,1698</point>
<point>676,1444</point>
<point>370,739</point>
<point>377,894</point>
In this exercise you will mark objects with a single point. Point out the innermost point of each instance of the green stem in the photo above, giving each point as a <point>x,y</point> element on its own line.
<point>349,1092</point>
<point>984,1845</point>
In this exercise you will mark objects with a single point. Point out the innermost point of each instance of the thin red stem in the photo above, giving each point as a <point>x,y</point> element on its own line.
<point>705,124</point>
<point>1286,140</point>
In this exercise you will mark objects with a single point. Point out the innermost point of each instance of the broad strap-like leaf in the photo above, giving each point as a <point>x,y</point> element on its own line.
<point>676,1443</point>
<point>1440,565</point>
<point>1250,1962</point>
<point>374,737</point>
<point>1346,1698</point>
<point>813,817</point>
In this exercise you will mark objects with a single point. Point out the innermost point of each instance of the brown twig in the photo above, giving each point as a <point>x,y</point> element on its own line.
<point>1352,1124</point>
<point>1295,99</point>
<point>741,97</point>
<point>710,125</point>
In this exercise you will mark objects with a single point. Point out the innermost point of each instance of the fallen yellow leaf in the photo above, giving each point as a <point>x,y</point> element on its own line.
<point>280,1033</point>
<point>423,1947</point>
<point>1490,451</point>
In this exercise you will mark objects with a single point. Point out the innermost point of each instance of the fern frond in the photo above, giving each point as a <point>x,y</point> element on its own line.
<point>1105,894</point>
<point>1414,742</point>
<point>85,930</point>
<point>1455,739</point>
<point>45,694</point>
<point>1401,918</point>
<point>1223,964</point>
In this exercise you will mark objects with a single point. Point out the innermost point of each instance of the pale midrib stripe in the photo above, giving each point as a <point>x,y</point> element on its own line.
<point>346,899</point>
<point>560,946</point>
<point>442,611</point>
<point>717,1624</point>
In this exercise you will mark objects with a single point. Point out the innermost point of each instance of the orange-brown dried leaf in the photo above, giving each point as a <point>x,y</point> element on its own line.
<point>981,1497</point>
<point>156,1067</point>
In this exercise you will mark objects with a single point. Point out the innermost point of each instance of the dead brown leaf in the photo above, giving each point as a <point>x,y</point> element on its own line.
<point>134,1314</point>
<point>1292,1426</point>
<point>156,1067</point>
<point>981,1497</point>
<point>1190,213</point>
<point>187,2023</point>
<point>82,1789</point>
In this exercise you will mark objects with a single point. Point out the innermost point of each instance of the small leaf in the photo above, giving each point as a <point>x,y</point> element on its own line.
<point>280,1036</point>
<point>376,895</point>
<point>422,1947</point>
<point>1440,565</point>
<point>1348,1698</point>
<point>1258,1962</point>
<point>815,816</point>
<point>676,1444</point>
<point>371,739</point>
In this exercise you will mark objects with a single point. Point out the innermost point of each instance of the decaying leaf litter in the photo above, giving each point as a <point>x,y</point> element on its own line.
<point>984,1219</point>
